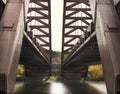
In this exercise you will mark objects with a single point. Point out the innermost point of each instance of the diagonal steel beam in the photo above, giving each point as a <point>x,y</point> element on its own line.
<point>73,27</point>
<point>39,24</point>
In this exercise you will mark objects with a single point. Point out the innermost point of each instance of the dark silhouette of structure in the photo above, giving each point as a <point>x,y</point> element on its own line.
<point>91,35</point>
<point>25,38</point>
<point>91,30</point>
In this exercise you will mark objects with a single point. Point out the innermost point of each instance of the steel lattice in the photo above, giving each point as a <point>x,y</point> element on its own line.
<point>39,25</point>
<point>76,19</point>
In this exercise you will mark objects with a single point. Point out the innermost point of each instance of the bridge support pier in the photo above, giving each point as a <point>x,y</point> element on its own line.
<point>108,37</point>
<point>11,35</point>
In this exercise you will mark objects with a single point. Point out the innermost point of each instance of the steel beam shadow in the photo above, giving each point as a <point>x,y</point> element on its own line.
<point>32,58</point>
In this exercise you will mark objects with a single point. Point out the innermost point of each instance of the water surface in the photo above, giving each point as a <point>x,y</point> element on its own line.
<point>60,87</point>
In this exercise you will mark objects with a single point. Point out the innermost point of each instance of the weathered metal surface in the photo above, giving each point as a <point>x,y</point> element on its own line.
<point>11,34</point>
<point>108,37</point>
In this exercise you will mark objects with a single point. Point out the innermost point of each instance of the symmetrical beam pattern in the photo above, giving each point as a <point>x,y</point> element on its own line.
<point>39,25</point>
<point>76,18</point>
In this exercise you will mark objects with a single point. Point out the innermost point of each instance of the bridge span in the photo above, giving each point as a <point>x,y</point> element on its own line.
<point>91,30</point>
<point>91,35</point>
<point>23,39</point>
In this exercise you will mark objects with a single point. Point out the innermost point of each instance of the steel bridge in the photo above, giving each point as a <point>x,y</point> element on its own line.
<point>91,35</point>
<point>25,38</point>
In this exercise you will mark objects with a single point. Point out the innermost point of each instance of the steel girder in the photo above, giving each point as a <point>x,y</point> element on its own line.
<point>107,29</point>
<point>77,27</point>
<point>39,26</point>
<point>76,18</point>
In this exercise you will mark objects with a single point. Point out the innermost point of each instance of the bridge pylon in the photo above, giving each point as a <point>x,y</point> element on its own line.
<point>108,37</point>
<point>91,35</point>
<point>11,35</point>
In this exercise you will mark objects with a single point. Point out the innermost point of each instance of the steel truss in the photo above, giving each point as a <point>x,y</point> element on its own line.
<point>76,19</point>
<point>39,25</point>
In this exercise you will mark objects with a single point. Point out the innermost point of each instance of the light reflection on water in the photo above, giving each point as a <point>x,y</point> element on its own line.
<point>101,87</point>
<point>65,87</point>
<point>58,88</point>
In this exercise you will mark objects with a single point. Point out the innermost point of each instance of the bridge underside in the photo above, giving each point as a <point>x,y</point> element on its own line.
<point>98,42</point>
<point>80,48</point>
<point>16,38</point>
<point>86,54</point>
<point>91,35</point>
<point>32,58</point>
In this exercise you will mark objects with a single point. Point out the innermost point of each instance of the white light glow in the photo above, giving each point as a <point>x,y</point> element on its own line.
<point>58,88</point>
<point>57,19</point>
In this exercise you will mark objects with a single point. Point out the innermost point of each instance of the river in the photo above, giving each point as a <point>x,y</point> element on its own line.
<point>59,87</point>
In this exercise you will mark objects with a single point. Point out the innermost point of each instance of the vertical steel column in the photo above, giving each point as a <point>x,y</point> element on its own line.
<point>11,34</point>
<point>108,37</point>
